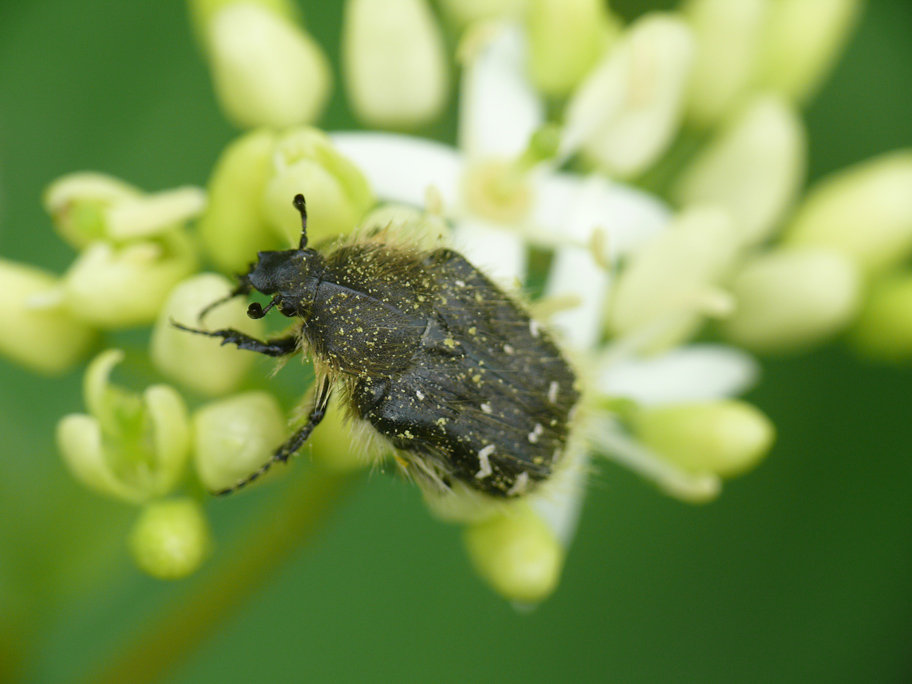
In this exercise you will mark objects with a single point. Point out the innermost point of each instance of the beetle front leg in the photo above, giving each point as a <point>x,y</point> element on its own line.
<point>278,346</point>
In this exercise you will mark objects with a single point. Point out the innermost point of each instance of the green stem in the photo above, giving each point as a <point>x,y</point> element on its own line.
<point>189,620</point>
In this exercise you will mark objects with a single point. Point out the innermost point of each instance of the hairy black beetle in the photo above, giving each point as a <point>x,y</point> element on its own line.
<point>424,348</point>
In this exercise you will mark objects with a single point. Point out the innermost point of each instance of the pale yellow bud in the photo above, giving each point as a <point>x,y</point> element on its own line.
<point>203,11</point>
<point>753,168</point>
<point>91,206</point>
<point>78,202</point>
<point>727,37</point>
<point>170,539</point>
<point>267,71</point>
<point>337,193</point>
<point>234,437</point>
<point>132,446</point>
<point>516,553</point>
<point>884,327</point>
<point>565,39</point>
<point>725,438</point>
<point>233,229</point>
<point>628,109</point>
<point>119,286</point>
<point>801,42</point>
<point>195,361</point>
<point>38,332</point>
<point>465,12</point>
<point>395,62</point>
<point>672,283</point>
<point>790,299</point>
<point>153,214</point>
<point>864,212</point>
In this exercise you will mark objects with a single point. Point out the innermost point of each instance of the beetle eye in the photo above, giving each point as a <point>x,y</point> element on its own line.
<point>287,309</point>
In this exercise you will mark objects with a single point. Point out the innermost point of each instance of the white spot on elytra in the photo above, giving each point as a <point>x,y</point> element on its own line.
<point>486,408</point>
<point>552,391</point>
<point>419,394</point>
<point>508,349</point>
<point>536,433</point>
<point>460,283</point>
<point>521,484</point>
<point>484,462</point>
<point>535,328</point>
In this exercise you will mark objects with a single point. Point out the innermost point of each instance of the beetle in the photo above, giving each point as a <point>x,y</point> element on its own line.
<point>421,346</point>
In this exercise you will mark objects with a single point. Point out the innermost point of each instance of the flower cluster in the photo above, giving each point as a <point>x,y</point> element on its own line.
<point>645,178</point>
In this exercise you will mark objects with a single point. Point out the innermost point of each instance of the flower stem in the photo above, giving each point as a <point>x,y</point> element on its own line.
<point>188,621</point>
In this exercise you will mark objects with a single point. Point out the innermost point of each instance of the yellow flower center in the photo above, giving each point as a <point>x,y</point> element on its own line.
<point>498,190</point>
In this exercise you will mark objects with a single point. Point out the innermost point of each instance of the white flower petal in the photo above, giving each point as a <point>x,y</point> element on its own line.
<point>401,168</point>
<point>561,505</point>
<point>694,373</point>
<point>499,109</point>
<point>574,272</point>
<point>499,253</point>
<point>629,217</point>
<point>577,270</point>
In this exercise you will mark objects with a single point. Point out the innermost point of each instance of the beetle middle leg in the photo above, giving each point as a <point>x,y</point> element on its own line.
<point>278,346</point>
<point>295,442</point>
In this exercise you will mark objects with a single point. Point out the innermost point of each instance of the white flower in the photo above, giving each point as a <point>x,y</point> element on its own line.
<point>500,201</point>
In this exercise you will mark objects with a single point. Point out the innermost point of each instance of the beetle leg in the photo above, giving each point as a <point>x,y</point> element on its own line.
<point>295,442</point>
<point>278,346</point>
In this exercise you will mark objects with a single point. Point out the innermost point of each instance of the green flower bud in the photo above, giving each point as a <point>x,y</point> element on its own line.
<point>728,37</point>
<point>792,299</point>
<point>234,437</point>
<point>170,539</point>
<point>197,362</point>
<point>38,333</point>
<point>78,202</point>
<point>337,193</point>
<point>801,41</point>
<point>87,207</point>
<point>671,284</point>
<point>233,229</point>
<point>119,286</point>
<point>565,39</point>
<point>465,12</point>
<point>266,70</point>
<point>394,57</point>
<point>754,168</point>
<point>725,438</point>
<point>628,109</point>
<point>884,327</point>
<point>864,211</point>
<point>516,553</point>
<point>131,447</point>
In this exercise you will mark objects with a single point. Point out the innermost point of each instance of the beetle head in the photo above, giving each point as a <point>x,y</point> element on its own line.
<point>290,276</point>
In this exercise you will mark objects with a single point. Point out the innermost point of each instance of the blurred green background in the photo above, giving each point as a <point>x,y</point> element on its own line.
<point>801,572</point>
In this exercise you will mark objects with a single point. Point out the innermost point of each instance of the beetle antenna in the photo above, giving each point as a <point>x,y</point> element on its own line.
<point>257,311</point>
<point>242,288</point>
<point>301,206</point>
